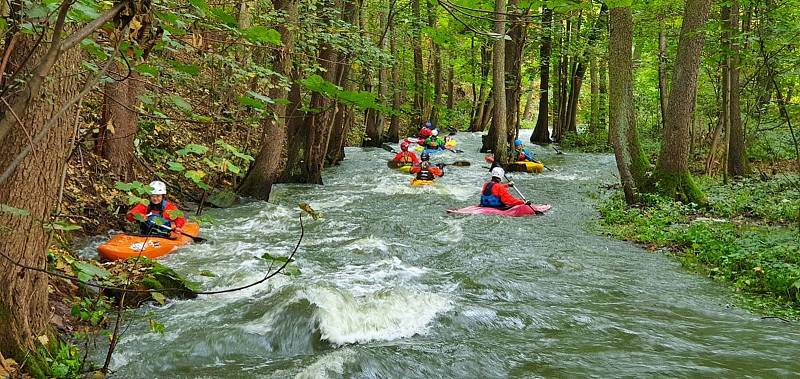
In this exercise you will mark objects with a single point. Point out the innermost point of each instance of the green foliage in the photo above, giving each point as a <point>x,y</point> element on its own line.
<point>587,142</point>
<point>93,311</point>
<point>758,259</point>
<point>63,362</point>
<point>289,270</point>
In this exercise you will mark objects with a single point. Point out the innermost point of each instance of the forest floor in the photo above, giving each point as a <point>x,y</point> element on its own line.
<point>747,237</point>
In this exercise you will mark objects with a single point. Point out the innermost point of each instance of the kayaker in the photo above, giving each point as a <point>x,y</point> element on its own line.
<point>406,157</point>
<point>426,171</point>
<point>520,153</point>
<point>434,142</point>
<point>426,129</point>
<point>159,215</point>
<point>495,194</point>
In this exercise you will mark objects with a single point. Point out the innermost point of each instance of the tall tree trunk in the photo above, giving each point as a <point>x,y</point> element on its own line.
<point>120,121</point>
<point>436,66</point>
<point>600,24</point>
<point>594,119</point>
<point>527,113</point>
<point>480,107</point>
<point>513,67</point>
<point>33,186</point>
<point>541,133</point>
<point>498,144</point>
<point>603,88</point>
<point>343,120</point>
<point>620,43</point>
<point>737,154</point>
<point>451,95</point>
<point>672,177</point>
<point>558,69</point>
<point>662,71</point>
<point>266,169</point>
<point>397,100</point>
<point>419,87</point>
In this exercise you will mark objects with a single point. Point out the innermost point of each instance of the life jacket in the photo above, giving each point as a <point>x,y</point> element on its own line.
<point>488,199</point>
<point>156,222</point>
<point>406,157</point>
<point>432,143</point>
<point>425,174</point>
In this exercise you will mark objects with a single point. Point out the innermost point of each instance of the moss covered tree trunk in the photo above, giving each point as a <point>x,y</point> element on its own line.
<point>672,177</point>
<point>497,141</point>
<point>541,133</point>
<point>266,169</point>
<point>33,186</point>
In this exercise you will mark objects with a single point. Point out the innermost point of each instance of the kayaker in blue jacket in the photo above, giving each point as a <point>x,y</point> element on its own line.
<point>520,153</point>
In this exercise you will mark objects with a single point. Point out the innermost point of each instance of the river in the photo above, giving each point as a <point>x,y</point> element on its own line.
<point>393,287</point>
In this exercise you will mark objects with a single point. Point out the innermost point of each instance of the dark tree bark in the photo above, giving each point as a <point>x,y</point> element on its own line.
<point>662,71</point>
<point>397,99</point>
<point>480,107</point>
<point>266,169</point>
<point>594,119</point>
<point>513,67</point>
<point>120,121</point>
<point>672,177</point>
<point>451,95</point>
<point>498,141</point>
<point>436,66</point>
<point>541,133</point>
<point>603,88</point>
<point>737,154</point>
<point>33,186</point>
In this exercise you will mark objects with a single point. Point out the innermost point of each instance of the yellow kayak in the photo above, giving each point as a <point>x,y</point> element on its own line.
<point>526,166</point>
<point>416,182</point>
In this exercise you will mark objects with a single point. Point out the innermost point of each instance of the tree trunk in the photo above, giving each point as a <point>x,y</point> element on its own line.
<point>603,88</point>
<point>527,113</point>
<point>120,121</point>
<point>436,60</point>
<point>558,69</point>
<point>33,186</point>
<point>451,95</point>
<point>600,24</point>
<point>397,100</point>
<point>623,119</point>
<point>672,177</point>
<point>513,68</point>
<point>541,133</point>
<point>480,107</point>
<point>594,119</point>
<point>737,154</point>
<point>266,169</point>
<point>498,142</point>
<point>662,72</point>
<point>419,87</point>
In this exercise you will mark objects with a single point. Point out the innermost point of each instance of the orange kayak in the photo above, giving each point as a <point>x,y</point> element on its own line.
<point>123,246</point>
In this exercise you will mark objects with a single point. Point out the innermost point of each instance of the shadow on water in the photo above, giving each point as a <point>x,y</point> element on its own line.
<point>391,286</point>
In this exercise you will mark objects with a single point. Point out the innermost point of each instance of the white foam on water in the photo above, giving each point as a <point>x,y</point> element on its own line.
<point>381,316</point>
<point>368,244</point>
<point>330,363</point>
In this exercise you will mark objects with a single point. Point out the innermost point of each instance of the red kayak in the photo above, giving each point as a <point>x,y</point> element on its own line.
<point>516,211</point>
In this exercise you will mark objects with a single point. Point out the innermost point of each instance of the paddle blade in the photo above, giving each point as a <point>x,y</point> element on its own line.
<point>388,148</point>
<point>394,164</point>
<point>461,163</point>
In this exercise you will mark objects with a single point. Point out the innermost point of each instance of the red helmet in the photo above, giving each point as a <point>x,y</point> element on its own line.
<point>404,146</point>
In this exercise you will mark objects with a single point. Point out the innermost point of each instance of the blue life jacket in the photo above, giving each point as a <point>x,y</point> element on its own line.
<point>488,199</point>
<point>156,222</point>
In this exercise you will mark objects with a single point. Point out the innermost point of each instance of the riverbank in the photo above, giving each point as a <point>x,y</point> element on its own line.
<point>747,237</point>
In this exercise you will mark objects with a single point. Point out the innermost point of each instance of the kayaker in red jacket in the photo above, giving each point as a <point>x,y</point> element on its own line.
<point>495,194</point>
<point>406,157</point>
<point>160,215</point>
<point>426,171</point>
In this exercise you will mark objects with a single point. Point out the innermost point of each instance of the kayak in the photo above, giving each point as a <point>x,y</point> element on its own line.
<point>516,211</point>
<point>399,166</point>
<point>525,166</point>
<point>417,182</point>
<point>123,246</point>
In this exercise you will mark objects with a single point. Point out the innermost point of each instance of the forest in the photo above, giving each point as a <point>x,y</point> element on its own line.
<point>247,108</point>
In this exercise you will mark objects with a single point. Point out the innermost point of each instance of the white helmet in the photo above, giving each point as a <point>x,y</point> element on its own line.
<point>435,132</point>
<point>498,172</point>
<point>159,188</point>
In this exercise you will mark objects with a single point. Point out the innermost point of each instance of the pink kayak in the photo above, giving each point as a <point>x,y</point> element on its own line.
<point>516,211</point>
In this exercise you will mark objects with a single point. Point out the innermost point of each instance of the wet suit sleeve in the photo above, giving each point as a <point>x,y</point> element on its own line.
<point>138,209</point>
<point>436,171</point>
<point>501,191</point>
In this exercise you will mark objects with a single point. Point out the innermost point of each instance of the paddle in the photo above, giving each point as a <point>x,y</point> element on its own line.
<point>388,148</point>
<point>557,151</point>
<point>511,184</point>
<point>396,164</point>
<point>194,238</point>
